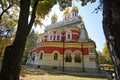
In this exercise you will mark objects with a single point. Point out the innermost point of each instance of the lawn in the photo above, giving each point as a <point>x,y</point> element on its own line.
<point>37,75</point>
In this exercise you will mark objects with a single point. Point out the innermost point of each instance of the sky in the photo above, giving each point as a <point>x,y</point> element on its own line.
<point>93,21</point>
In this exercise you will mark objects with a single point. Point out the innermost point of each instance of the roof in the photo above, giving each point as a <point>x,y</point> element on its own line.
<point>74,9</point>
<point>54,16</point>
<point>67,11</point>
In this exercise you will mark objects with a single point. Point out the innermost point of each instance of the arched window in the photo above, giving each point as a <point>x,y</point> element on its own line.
<point>33,56</point>
<point>53,21</point>
<point>75,14</point>
<point>68,57</point>
<point>42,38</point>
<point>68,35</point>
<point>41,55</point>
<point>55,56</point>
<point>58,36</point>
<point>51,36</point>
<point>77,57</point>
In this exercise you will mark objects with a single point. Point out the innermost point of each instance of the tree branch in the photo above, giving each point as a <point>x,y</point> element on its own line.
<point>5,10</point>
<point>33,15</point>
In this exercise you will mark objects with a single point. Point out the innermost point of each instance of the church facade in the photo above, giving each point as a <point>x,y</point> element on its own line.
<point>65,46</point>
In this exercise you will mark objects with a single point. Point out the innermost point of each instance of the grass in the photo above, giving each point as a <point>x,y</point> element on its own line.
<point>39,75</point>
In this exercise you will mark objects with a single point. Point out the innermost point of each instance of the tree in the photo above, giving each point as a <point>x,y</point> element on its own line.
<point>5,5</point>
<point>111,27</point>
<point>106,54</point>
<point>7,30</point>
<point>101,58</point>
<point>12,59</point>
<point>30,44</point>
<point>13,54</point>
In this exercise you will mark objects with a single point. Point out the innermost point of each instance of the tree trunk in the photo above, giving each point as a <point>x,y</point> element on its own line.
<point>11,64</point>
<point>111,27</point>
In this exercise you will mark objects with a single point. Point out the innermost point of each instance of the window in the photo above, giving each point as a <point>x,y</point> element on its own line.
<point>68,35</point>
<point>91,50</point>
<point>73,14</point>
<point>51,36</point>
<point>33,56</point>
<point>68,57</point>
<point>43,38</point>
<point>92,59</point>
<point>55,56</point>
<point>41,55</point>
<point>77,58</point>
<point>58,36</point>
<point>53,21</point>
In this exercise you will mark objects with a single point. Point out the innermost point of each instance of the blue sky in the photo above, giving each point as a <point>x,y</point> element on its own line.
<point>93,21</point>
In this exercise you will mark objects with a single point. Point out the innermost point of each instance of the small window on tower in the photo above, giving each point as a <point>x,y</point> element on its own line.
<point>73,14</point>
<point>68,35</point>
<point>58,36</point>
<point>51,36</point>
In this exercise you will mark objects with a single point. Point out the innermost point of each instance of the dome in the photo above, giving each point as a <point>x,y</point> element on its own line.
<point>54,16</point>
<point>74,9</point>
<point>67,11</point>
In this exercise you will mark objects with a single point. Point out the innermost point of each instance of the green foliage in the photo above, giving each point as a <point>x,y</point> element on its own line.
<point>104,56</point>
<point>64,3</point>
<point>31,40</point>
<point>9,21</point>
<point>84,2</point>
<point>44,7</point>
<point>101,58</point>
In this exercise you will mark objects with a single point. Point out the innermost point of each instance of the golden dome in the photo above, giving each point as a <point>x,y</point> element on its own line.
<point>67,11</point>
<point>54,16</point>
<point>74,9</point>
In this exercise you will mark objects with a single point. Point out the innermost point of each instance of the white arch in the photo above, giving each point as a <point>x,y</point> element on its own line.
<point>77,51</point>
<point>56,52</point>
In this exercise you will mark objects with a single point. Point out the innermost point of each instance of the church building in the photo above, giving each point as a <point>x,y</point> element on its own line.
<point>65,46</point>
